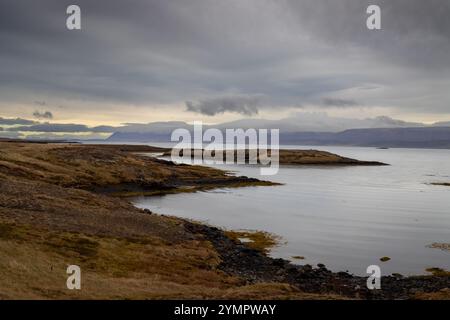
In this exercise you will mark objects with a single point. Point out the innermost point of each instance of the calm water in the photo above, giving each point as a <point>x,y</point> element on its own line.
<point>345,217</point>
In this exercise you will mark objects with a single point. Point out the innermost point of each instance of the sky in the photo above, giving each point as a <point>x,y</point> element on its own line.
<point>141,61</point>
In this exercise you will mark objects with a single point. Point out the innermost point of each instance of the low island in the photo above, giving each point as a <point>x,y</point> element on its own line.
<point>286,157</point>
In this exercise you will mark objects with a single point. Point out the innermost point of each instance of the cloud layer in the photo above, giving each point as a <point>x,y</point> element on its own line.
<point>220,56</point>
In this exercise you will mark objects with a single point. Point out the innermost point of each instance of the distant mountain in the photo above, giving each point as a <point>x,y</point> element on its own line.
<point>151,132</point>
<point>139,137</point>
<point>319,122</point>
<point>416,137</point>
<point>442,124</point>
<point>423,137</point>
<point>299,122</point>
<point>154,127</point>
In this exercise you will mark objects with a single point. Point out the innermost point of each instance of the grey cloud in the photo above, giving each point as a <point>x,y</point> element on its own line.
<point>340,103</point>
<point>409,28</point>
<point>246,105</point>
<point>43,115</point>
<point>166,127</point>
<point>52,127</point>
<point>60,127</point>
<point>292,51</point>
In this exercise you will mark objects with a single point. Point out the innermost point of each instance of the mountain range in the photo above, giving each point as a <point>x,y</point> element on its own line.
<point>376,132</point>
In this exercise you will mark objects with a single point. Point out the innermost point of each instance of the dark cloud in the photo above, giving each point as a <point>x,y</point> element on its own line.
<point>340,103</point>
<point>60,127</point>
<point>246,105</point>
<point>43,115</point>
<point>64,136</point>
<point>414,33</point>
<point>17,121</point>
<point>146,52</point>
<point>55,127</point>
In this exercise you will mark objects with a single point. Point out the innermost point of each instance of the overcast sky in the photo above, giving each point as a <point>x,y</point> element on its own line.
<point>211,60</point>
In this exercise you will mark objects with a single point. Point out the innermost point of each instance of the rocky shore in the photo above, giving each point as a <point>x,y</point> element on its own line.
<point>253,266</point>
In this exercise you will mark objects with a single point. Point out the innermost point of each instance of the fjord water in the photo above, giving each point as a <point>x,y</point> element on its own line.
<point>344,217</point>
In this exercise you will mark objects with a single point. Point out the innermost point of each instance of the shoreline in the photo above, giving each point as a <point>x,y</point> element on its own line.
<point>254,265</point>
<point>54,208</point>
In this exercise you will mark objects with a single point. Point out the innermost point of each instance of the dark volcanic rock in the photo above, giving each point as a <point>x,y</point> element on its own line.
<point>254,266</point>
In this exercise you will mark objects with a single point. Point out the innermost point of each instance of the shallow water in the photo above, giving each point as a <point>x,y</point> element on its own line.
<point>344,217</point>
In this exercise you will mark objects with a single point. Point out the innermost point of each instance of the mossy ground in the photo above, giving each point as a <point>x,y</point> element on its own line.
<point>34,262</point>
<point>258,240</point>
<point>438,272</point>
